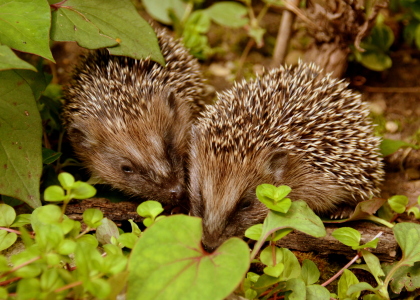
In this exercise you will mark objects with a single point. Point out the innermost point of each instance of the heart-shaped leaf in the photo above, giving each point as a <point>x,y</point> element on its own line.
<point>274,271</point>
<point>171,264</point>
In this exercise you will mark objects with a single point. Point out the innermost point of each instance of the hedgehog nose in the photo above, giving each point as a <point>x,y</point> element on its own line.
<point>177,193</point>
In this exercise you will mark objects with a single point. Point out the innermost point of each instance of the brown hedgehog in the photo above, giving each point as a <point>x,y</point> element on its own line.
<point>129,120</point>
<point>288,127</point>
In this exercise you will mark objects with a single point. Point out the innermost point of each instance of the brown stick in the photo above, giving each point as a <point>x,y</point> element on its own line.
<point>283,36</point>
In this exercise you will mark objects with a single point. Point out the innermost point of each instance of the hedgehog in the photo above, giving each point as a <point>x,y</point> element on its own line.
<point>293,127</point>
<point>129,120</point>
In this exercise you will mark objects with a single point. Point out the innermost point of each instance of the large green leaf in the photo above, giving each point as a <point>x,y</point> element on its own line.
<point>25,26</point>
<point>20,139</point>
<point>408,237</point>
<point>9,60</point>
<point>299,217</point>
<point>171,264</point>
<point>105,23</point>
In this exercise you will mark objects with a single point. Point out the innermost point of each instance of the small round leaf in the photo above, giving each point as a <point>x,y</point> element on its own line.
<point>66,180</point>
<point>54,193</point>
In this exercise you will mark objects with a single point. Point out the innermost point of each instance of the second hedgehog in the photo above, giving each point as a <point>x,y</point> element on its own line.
<point>129,120</point>
<point>289,127</point>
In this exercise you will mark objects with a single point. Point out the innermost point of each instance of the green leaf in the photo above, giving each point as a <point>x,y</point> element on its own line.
<point>292,267</point>
<point>106,230</point>
<point>406,277</point>
<point>310,273</point>
<point>49,237</point>
<point>27,288</point>
<point>382,36</point>
<point>273,197</point>
<point>171,264</point>
<point>371,244</point>
<point>375,60</point>
<point>299,217</point>
<point>347,279</point>
<point>149,209</point>
<point>25,26</point>
<point>51,280</point>
<point>268,192</point>
<point>317,292</point>
<point>66,180</point>
<point>398,203</point>
<point>7,239</point>
<point>355,289</point>
<point>114,264</point>
<point>89,239</point>
<point>408,237</point>
<point>9,60</point>
<point>374,265</point>
<point>389,146</point>
<point>274,271</point>
<point>3,293</point>
<point>49,156</point>
<point>22,220</point>
<point>134,228</point>
<point>54,193</point>
<point>20,139</point>
<point>92,217</point>
<point>415,211</point>
<point>159,10</point>
<point>7,215</point>
<point>66,247</point>
<point>128,239</point>
<point>47,214</point>
<point>82,190</point>
<point>229,14</point>
<point>97,23</point>
<point>254,232</point>
<point>298,288</point>
<point>88,260</point>
<point>348,236</point>
<point>266,256</point>
<point>98,287</point>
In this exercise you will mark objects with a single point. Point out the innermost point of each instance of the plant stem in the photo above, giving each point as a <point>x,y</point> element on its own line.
<point>380,221</point>
<point>342,270</point>
<point>20,266</point>
<point>283,35</point>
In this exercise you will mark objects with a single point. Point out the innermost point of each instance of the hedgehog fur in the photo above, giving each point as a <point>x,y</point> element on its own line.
<point>129,120</point>
<point>288,127</point>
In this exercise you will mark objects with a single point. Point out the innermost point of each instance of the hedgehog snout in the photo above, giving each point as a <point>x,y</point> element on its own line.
<point>177,193</point>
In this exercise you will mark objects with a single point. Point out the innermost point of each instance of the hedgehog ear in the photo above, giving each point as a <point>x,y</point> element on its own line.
<point>277,161</point>
<point>77,137</point>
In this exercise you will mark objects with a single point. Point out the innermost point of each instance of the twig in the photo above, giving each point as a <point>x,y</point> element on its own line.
<point>348,264</point>
<point>283,35</point>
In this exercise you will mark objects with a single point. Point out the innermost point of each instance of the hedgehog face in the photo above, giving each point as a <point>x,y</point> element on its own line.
<point>222,192</point>
<point>141,154</point>
<point>222,188</point>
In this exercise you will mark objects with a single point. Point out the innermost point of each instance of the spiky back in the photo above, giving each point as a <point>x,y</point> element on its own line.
<point>102,74</point>
<point>291,108</point>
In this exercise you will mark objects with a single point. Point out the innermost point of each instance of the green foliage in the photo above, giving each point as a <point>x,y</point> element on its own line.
<point>389,146</point>
<point>351,237</point>
<point>150,210</point>
<point>189,272</point>
<point>168,263</point>
<point>29,26</point>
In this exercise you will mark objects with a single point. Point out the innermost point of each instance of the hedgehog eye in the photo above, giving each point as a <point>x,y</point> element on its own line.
<point>127,169</point>
<point>244,204</point>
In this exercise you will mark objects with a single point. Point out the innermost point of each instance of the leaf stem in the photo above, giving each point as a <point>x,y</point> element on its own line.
<point>21,266</point>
